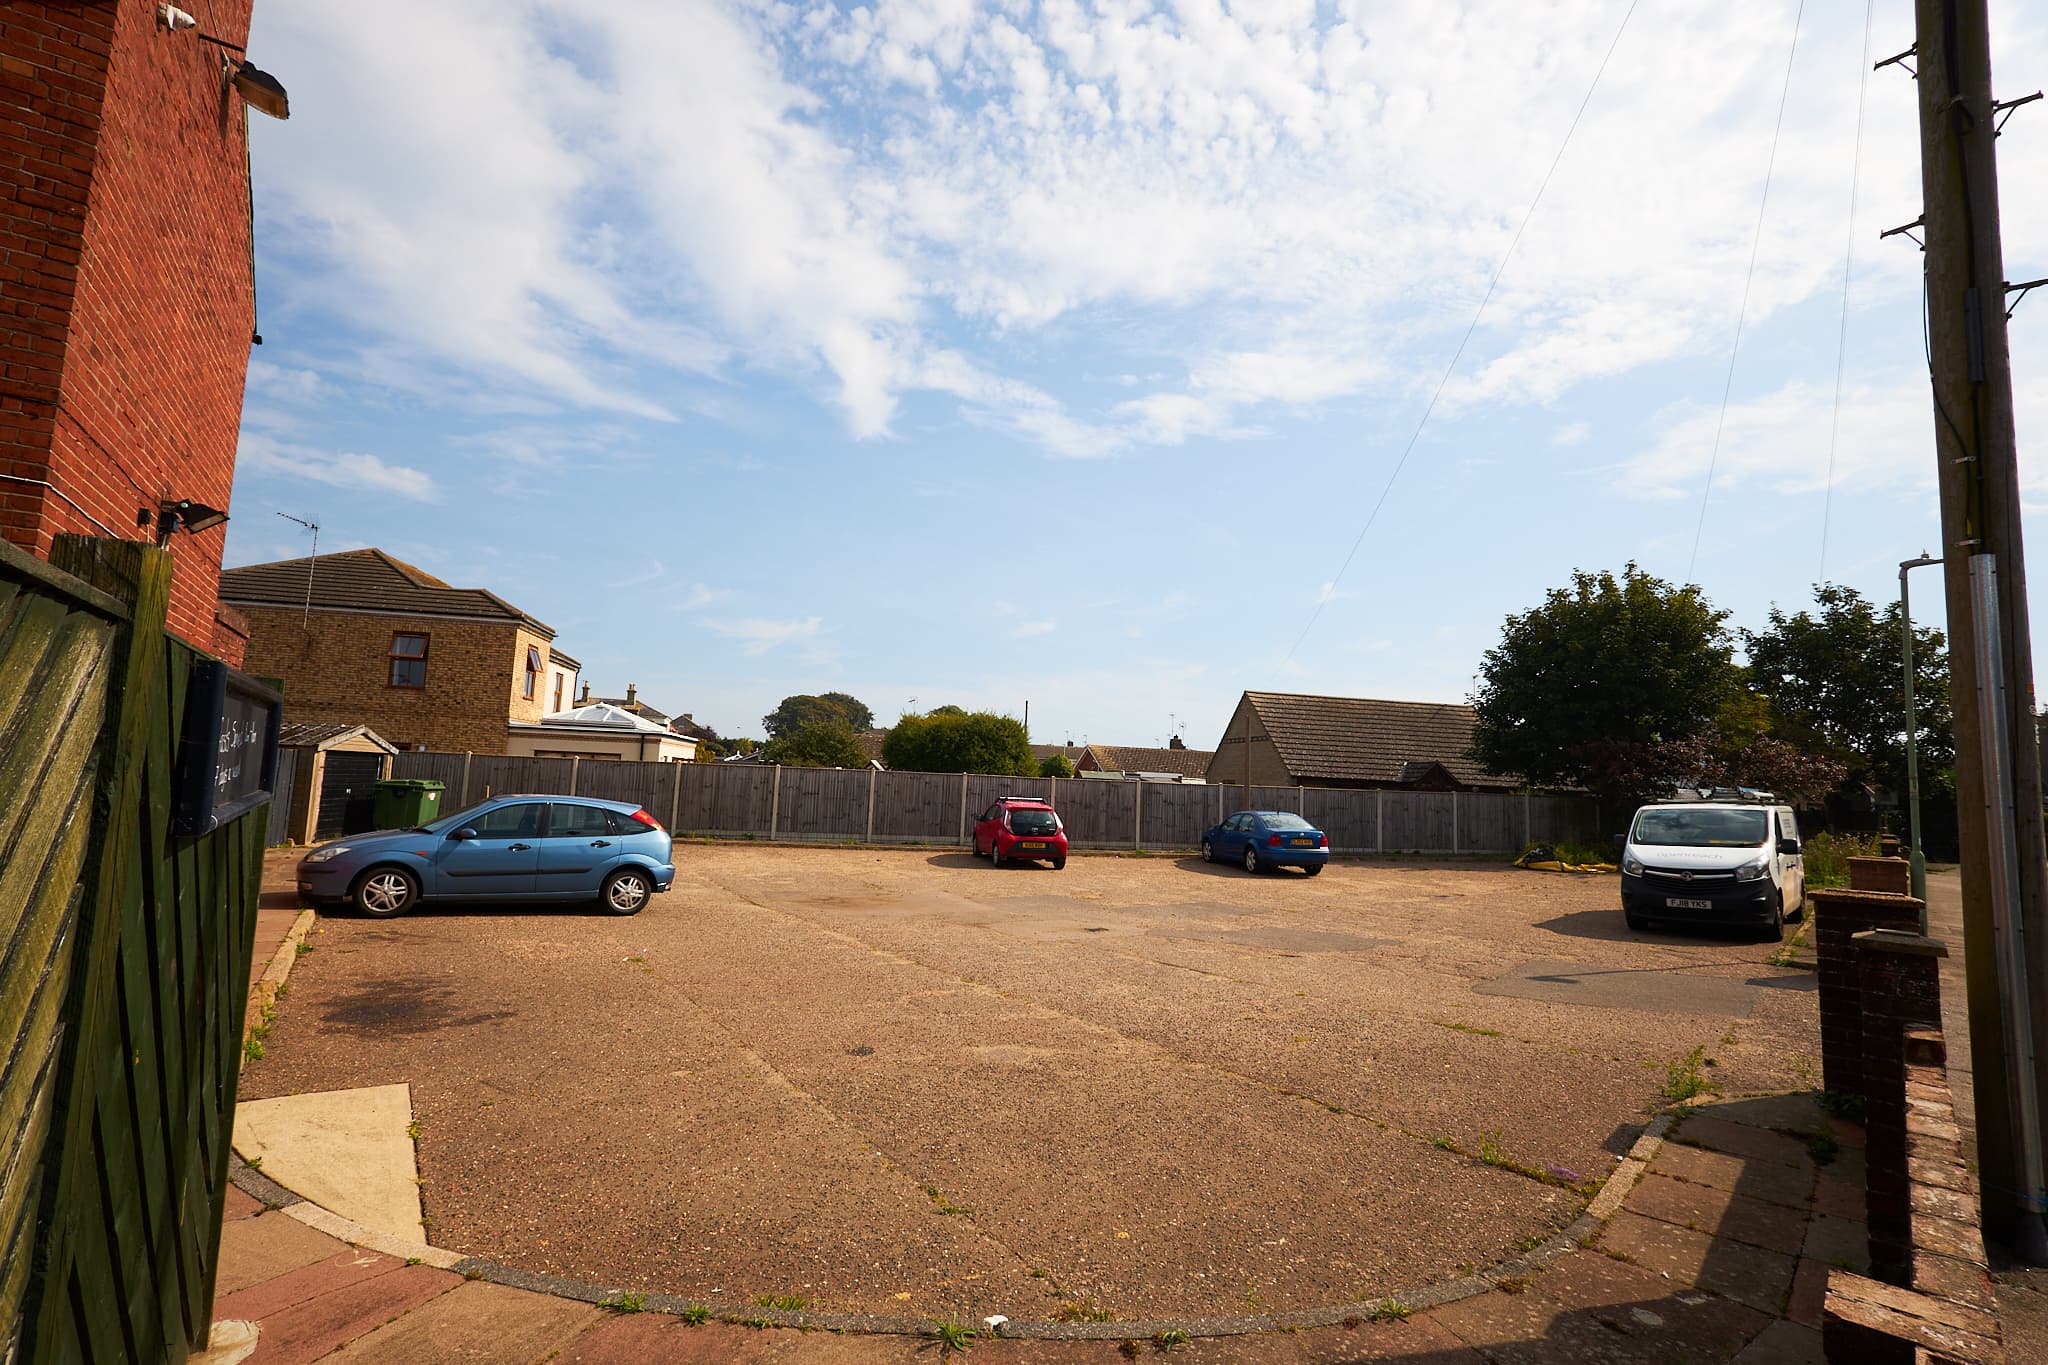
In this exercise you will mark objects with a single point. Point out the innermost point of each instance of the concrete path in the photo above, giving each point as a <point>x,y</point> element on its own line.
<point>349,1151</point>
<point>1715,1247</point>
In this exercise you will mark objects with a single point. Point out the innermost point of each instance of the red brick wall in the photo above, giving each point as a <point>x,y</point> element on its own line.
<point>127,343</point>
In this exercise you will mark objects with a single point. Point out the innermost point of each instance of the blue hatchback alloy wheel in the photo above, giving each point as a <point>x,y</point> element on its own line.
<point>386,891</point>
<point>626,891</point>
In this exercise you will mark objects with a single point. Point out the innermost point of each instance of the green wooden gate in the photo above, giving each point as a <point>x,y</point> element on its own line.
<point>125,969</point>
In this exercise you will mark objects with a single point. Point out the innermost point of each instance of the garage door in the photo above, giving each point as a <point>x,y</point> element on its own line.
<point>348,794</point>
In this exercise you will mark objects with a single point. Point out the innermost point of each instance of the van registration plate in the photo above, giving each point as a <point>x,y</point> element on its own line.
<point>1679,903</point>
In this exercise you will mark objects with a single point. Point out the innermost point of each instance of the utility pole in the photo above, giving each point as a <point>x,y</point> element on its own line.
<point>1998,783</point>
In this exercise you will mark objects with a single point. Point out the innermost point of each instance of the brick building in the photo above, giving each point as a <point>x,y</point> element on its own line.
<point>1360,742</point>
<point>390,646</point>
<point>127,304</point>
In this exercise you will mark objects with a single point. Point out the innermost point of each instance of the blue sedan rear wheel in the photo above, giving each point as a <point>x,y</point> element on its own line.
<point>384,892</point>
<point>626,891</point>
<point>1251,858</point>
<point>1208,853</point>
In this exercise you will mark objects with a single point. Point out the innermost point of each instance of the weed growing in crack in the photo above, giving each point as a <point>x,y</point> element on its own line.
<point>788,1303</point>
<point>625,1303</point>
<point>950,1336</point>
<point>696,1315</point>
<point>1390,1310</point>
<point>1170,1340</point>
<point>1686,1078</point>
<point>1472,1029</point>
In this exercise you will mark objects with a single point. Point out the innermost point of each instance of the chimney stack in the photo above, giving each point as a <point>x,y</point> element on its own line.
<point>632,693</point>
<point>584,700</point>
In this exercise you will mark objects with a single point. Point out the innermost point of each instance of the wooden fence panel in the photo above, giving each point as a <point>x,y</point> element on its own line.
<point>154,935</point>
<point>1176,814</point>
<point>443,768</point>
<point>1489,822</point>
<point>728,798</point>
<point>644,784</point>
<point>1350,818</point>
<point>917,807</point>
<point>1099,814</point>
<point>277,826</point>
<point>823,803</point>
<point>1417,822</point>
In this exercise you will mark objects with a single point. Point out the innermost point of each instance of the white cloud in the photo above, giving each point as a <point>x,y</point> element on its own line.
<point>1031,628</point>
<point>342,469</point>
<point>1571,434</point>
<point>699,596</point>
<point>760,636</point>
<point>613,207</point>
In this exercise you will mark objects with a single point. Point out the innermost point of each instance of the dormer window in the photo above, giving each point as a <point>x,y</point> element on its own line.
<point>532,672</point>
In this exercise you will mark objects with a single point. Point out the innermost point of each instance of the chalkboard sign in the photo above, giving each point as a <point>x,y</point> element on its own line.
<point>227,753</point>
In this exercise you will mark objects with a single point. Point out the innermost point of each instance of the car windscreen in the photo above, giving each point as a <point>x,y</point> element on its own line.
<point>1033,822</point>
<point>1284,821</point>
<point>1684,828</point>
<point>455,821</point>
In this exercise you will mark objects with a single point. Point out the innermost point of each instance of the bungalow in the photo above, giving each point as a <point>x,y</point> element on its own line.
<point>1287,739</point>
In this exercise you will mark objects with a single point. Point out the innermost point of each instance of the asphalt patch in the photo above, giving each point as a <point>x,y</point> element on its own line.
<point>1281,940</point>
<point>1656,990</point>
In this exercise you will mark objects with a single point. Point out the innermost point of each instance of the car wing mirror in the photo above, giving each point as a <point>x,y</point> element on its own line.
<point>464,833</point>
<point>1788,846</point>
<point>1620,842</point>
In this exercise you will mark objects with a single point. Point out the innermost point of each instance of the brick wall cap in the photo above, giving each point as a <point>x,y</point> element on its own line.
<point>1843,895</point>
<point>1899,941</point>
<point>1866,858</point>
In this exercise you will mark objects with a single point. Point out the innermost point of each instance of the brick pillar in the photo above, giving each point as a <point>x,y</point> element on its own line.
<point>1898,975</point>
<point>1881,874</point>
<point>1837,916</point>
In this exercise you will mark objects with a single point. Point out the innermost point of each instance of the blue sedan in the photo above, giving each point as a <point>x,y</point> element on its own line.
<point>511,848</point>
<point>1262,839</point>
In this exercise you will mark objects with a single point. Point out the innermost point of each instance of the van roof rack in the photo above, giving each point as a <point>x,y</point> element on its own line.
<point>1754,795</point>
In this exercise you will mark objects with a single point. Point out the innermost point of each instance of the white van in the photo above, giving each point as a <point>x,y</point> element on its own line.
<point>1733,861</point>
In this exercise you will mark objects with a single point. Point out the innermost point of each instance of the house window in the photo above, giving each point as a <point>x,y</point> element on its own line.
<point>408,661</point>
<point>532,672</point>
<point>558,691</point>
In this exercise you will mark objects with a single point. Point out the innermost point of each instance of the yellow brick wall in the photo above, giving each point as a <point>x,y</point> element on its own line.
<point>336,667</point>
<point>1228,764</point>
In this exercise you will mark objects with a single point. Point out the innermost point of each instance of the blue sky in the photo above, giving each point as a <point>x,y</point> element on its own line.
<point>1005,352</point>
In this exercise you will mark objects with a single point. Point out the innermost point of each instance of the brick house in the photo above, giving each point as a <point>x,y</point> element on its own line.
<point>1306,741</point>
<point>127,302</point>
<point>388,645</point>
<point>1175,763</point>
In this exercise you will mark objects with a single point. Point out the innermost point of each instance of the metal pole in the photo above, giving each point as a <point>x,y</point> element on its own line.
<point>1917,858</point>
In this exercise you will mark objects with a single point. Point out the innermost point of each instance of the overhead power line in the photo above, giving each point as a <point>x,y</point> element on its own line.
<point>1325,598</point>
<point>1848,260</point>
<point>1742,312</point>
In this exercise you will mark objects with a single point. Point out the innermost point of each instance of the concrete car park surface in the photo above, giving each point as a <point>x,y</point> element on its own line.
<point>904,1083</point>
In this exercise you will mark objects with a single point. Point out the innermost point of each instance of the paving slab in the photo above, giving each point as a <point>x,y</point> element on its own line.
<point>349,1151</point>
<point>240,1205</point>
<point>1840,1242</point>
<point>1721,1213</point>
<point>1784,1343</point>
<point>1744,1140</point>
<point>1749,1275</point>
<point>635,1338</point>
<point>1767,1181</point>
<point>351,1265</point>
<point>312,1328</point>
<point>258,1248</point>
<point>475,1321</point>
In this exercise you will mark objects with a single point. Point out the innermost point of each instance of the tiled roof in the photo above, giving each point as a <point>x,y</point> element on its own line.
<point>1126,758</point>
<point>364,580</point>
<point>312,735</point>
<point>1361,739</point>
<point>871,742</point>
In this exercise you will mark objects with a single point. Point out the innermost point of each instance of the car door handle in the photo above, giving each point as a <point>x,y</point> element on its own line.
<point>600,843</point>
<point>518,848</point>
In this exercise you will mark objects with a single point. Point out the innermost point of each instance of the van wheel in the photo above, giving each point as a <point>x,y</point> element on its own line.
<point>1635,921</point>
<point>1774,932</point>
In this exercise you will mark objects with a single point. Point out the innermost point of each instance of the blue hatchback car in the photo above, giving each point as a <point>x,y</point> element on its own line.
<point>510,848</point>
<point>1262,839</point>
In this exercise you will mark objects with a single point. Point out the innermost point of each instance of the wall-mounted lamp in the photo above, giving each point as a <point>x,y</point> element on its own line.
<point>259,89</point>
<point>193,516</point>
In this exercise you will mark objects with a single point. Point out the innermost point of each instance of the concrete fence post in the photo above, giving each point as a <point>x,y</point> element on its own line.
<point>775,803</point>
<point>465,780</point>
<point>675,799</point>
<point>1138,816</point>
<point>575,765</point>
<point>1379,822</point>
<point>1454,823</point>
<point>873,772</point>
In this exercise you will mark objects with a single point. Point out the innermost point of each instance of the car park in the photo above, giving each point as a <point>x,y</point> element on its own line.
<point>1733,858</point>
<point>509,848</point>
<point>1261,840</point>
<point>1021,829</point>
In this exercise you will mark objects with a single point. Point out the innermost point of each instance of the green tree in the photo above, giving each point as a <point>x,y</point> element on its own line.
<point>828,742</point>
<point>1056,765</point>
<point>950,740</point>
<point>1583,688</point>
<point>806,707</point>
<point>1834,681</point>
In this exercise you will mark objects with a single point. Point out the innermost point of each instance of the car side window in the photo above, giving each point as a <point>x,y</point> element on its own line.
<point>576,822</point>
<point>615,823</point>
<point>521,821</point>
<point>1234,824</point>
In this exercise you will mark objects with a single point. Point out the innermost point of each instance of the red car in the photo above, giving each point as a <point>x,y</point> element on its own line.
<point>1020,829</point>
